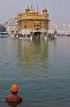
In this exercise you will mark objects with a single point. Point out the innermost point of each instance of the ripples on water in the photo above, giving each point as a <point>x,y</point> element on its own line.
<point>41,69</point>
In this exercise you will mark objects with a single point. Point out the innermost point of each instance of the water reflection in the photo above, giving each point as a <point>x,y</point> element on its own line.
<point>40,86</point>
<point>31,52</point>
<point>12,105</point>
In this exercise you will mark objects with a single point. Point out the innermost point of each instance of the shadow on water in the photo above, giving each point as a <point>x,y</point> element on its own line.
<point>12,105</point>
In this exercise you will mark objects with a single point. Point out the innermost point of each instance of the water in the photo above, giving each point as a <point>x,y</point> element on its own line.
<point>41,69</point>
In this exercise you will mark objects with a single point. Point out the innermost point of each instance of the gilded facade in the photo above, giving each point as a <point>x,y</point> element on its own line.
<point>32,20</point>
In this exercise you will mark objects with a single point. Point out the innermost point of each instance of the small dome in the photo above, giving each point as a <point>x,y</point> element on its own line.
<point>45,10</point>
<point>27,10</point>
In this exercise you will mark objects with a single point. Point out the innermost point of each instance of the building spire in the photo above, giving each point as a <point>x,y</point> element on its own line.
<point>37,8</point>
<point>31,7</point>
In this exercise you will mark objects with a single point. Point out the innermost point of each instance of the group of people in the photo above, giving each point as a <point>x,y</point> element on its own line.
<point>13,99</point>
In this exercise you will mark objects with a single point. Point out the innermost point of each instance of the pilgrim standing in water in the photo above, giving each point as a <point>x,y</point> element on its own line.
<point>13,99</point>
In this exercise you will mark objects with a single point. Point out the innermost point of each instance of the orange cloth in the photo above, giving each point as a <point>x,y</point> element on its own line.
<point>14,88</point>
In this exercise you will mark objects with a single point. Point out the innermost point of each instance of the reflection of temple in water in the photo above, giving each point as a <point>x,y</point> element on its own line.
<point>32,52</point>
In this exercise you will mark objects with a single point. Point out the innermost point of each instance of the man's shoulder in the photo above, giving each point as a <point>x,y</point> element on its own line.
<point>13,98</point>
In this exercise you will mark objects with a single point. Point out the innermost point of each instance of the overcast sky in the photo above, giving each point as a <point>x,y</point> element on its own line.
<point>59,10</point>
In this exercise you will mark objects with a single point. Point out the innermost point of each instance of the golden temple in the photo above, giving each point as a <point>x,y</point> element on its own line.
<point>32,21</point>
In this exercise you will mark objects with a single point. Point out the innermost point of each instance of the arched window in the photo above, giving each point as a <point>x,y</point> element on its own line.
<point>25,26</point>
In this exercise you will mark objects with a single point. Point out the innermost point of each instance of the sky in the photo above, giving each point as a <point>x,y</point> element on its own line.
<point>58,10</point>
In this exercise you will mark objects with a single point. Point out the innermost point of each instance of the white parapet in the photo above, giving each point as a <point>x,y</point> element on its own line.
<point>25,31</point>
<point>28,31</point>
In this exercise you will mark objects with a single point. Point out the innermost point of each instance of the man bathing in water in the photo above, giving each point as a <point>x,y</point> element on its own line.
<point>13,99</point>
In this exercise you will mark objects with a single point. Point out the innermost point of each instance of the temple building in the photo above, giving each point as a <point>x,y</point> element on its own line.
<point>32,21</point>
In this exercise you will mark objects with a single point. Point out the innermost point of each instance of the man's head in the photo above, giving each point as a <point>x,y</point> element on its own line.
<point>14,88</point>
